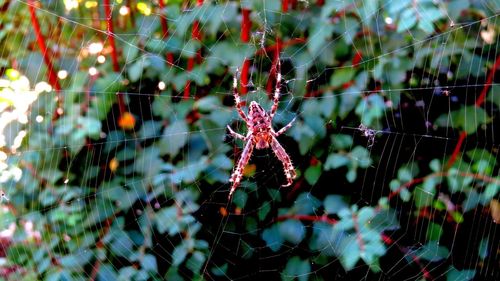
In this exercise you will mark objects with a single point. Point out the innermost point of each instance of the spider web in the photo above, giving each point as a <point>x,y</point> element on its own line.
<point>410,136</point>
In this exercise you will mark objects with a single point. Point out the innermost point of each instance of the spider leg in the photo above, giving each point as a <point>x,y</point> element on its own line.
<point>236,135</point>
<point>276,96</point>
<point>237,99</point>
<point>238,170</point>
<point>285,159</point>
<point>284,129</point>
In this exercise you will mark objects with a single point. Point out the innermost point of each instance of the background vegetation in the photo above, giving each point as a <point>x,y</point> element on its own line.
<point>116,166</point>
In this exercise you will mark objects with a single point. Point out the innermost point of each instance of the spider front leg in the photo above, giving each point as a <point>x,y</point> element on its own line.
<point>285,159</point>
<point>238,170</point>
<point>236,135</point>
<point>284,129</point>
<point>276,96</point>
<point>237,99</point>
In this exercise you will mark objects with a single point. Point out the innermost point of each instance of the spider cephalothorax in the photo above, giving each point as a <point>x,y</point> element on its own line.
<point>260,134</point>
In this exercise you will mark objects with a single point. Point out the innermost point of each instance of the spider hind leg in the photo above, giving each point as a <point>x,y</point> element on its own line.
<point>288,168</point>
<point>238,170</point>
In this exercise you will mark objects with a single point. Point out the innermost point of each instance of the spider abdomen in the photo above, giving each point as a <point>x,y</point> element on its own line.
<point>262,140</point>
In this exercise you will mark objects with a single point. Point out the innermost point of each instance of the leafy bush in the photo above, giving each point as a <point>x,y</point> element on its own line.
<point>117,166</point>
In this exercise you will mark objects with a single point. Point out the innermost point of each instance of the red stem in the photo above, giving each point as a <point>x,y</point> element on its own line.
<point>479,101</point>
<point>246,25</point>
<point>114,54</point>
<point>110,33</point>
<point>389,241</point>
<point>456,150</point>
<point>99,245</point>
<point>47,57</point>
<point>244,76</point>
<point>307,218</point>
<point>442,174</point>
<point>489,81</point>
<point>284,6</point>
<point>272,73</point>
<point>164,27</point>
<point>359,239</point>
<point>121,103</point>
<point>284,44</point>
<point>196,35</point>
<point>297,185</point>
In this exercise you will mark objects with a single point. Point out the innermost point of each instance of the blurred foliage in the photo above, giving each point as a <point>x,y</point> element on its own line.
<point>117,178</point>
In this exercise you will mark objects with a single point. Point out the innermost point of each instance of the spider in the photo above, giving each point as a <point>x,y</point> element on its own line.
<point>260,134</point>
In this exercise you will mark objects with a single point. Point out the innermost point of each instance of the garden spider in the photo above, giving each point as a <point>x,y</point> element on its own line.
<point>260,134</point>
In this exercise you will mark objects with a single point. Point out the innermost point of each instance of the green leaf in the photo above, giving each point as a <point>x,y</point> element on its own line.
<point>230,53</point>
<point>457,216</point>
<point>296,269</point>
<point>350,252</point>
<point>292,231</point>
<point>368,10</point>
<point>149,129</point>
<point>240,198</point>
<point>196,261</point>
<point>208,104</point>
<point>468,118</point>
<point>212,134</point>
<point>334,203</point>
<point>108,84</point>
<point>426,25</point>
<point>335,161</point>
<point>305,204</point>
<point>264,210</point>
<point>459,275</point>
<point>320,31</point>
<point>342,76</point>
<point>455,8</point>
<point>471,201</point>
<point>434,232</point>
<point>273,238</point>
<point>432,252</point>
<point>361,156</point>
<point>76,261</point>
<point>435,165</point>
<point>107,272</point>
<point>122,245</point>
<point>371,109</point>
<point>407,20</point>
<point>220,270</point>
<point>101,105</point>
<point>179,254</point>
<point>422,197</point>
<point>313,173</point>
<point>325,238</point>
<point>89,126</point>
<point>100,210</point>
<point>173,274</point>
<point>341,141</point>
<point>493,95</point>
<point>148,263</point>
<point>161,46</point>
<point>166,218</point>
<point>351,175</point>
<point>489,193</point>
<point>136,69</point>
<point>483,248</point>
<point>385,220</point>
<point>174,138</point>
